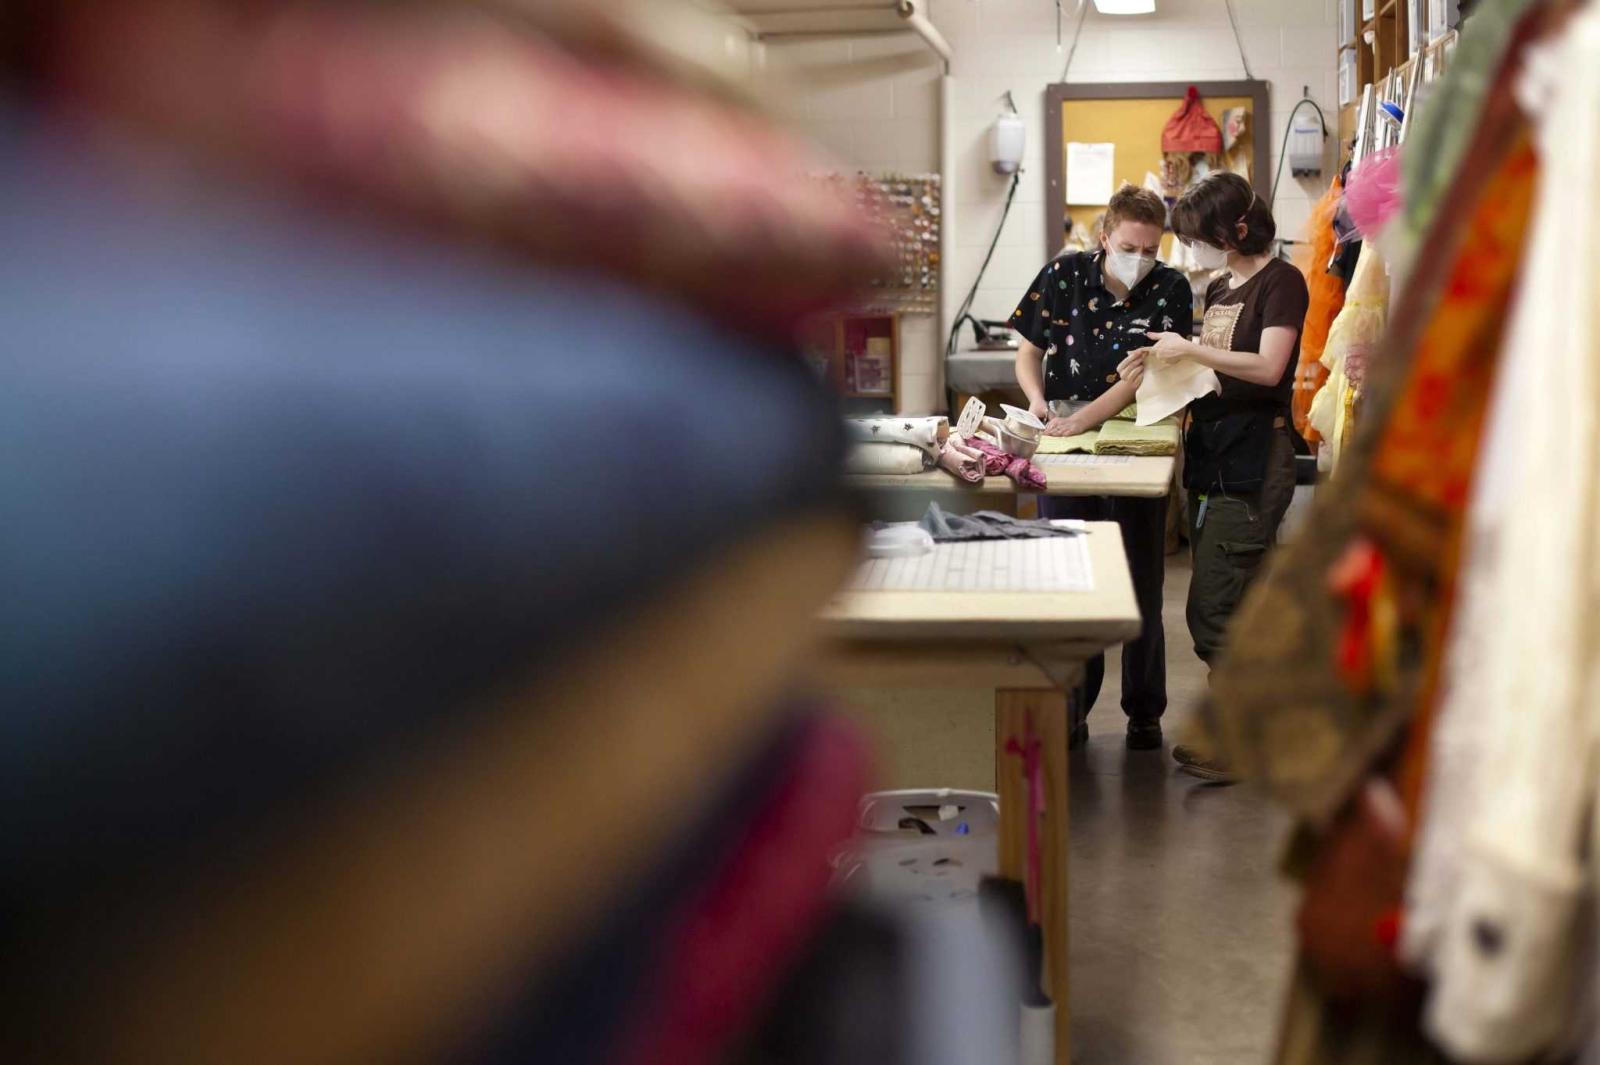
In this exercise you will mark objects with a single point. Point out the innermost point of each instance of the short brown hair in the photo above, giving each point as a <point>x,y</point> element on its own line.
<point>1133,204</point>
<point>1211,211</point>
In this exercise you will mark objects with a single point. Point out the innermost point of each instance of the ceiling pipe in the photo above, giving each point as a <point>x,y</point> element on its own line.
<point>912,12</point>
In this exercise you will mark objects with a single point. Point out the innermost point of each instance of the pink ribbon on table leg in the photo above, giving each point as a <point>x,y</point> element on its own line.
<point>1029,750</point>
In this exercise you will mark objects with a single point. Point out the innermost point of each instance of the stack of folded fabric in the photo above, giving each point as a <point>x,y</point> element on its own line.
<point>1119,437</point>
<point>894,445</point>
<point>1082,444</point>
<point>910,445</point>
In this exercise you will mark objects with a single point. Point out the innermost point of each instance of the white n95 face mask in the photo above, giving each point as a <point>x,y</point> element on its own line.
<point>1207,257</point>
<point>1129,267</point>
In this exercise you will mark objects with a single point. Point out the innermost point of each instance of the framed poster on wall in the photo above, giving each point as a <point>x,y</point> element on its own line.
<point>1128,117</point>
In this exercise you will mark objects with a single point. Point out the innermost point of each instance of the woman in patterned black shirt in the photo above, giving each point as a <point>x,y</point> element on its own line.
<point>1084,315</point>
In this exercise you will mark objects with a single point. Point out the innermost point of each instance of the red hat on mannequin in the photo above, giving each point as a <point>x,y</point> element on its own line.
<point>1190,129</point>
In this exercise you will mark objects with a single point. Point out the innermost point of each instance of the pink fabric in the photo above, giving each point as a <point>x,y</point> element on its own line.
<point>1033,769</point>
<point>1372,191</point>
<point>480,129</point>
<point>962,460</point>
<point>1025,473</point>
<point>734,945</point>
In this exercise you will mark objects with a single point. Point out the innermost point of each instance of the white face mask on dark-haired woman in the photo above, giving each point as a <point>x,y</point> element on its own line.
<point>1207,257</point>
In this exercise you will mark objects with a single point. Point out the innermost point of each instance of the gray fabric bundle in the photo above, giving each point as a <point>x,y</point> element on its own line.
<point>985,525</point>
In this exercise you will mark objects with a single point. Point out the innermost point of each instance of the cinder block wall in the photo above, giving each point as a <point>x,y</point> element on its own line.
<point>886,118</point>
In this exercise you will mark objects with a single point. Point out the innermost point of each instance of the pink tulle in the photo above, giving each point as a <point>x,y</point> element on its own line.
<point>1372,192</point>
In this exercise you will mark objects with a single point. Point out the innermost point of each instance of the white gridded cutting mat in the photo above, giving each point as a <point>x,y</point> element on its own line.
<point>1082,460</point>
<point>1058,564</point>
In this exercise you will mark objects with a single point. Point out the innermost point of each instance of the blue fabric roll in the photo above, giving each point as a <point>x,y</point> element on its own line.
<point>278,492</point>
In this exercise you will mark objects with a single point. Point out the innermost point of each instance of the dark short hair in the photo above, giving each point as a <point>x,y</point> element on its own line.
<point>1211,210</point>
<point>1133,204</point>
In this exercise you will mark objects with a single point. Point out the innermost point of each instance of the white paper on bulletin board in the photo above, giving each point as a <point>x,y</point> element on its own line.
<point>1090,170</point>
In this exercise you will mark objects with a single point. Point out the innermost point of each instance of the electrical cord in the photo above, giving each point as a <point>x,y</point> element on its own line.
<point>1072,50</point>
<point>1238,40</point>
<point>963,315</point>
<point>1284,154</point>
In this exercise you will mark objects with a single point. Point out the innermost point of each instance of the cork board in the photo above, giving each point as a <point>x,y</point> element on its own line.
<point>1131,116</point>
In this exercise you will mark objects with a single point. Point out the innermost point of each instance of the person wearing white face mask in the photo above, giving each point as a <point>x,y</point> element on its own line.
<point>1238,451</point>
<point>1081,317</point>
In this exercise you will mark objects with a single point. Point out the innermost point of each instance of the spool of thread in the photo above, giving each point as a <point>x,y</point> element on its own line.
<point>1037,1042</point>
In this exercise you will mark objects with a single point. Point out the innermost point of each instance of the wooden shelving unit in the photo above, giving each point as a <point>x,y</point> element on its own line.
<point>1382,43</point>
<point>859,355</point>
<point>1379,46</point>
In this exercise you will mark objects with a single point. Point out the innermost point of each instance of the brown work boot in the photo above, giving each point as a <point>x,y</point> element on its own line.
<point>1196,764</point>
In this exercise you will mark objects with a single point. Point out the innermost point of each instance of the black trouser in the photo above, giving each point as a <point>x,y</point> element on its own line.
<point>1228,541</point>
<point>1144,661</point>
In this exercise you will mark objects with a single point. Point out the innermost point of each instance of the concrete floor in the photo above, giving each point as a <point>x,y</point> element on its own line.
<point>1181,938</point>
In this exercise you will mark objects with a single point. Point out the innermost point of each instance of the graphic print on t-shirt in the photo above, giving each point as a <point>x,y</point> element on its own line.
<point>1216,331</point>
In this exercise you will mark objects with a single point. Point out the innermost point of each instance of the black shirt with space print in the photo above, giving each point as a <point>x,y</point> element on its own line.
<point>1085,331</point>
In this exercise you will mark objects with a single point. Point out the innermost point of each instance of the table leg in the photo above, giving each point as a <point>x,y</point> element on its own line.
<point>1039,716</point>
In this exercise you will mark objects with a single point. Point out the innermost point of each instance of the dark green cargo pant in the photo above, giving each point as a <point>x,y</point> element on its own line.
<point>1229,535</point>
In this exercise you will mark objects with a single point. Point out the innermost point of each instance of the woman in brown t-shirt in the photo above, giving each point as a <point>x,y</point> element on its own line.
<point>1238,452</point>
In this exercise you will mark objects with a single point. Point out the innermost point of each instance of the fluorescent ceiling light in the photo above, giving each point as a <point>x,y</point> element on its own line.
<point>1125,7</point>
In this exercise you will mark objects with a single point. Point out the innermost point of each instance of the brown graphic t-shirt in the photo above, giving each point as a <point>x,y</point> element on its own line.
<point>1234,321</point>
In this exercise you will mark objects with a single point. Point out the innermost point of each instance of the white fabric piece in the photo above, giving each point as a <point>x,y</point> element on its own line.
<point>1503,868</point>
<point>901,539</point>
<point>1170,385</point>
<point>1326,408</point>
<point>927,434</point>
<point>885,459</point>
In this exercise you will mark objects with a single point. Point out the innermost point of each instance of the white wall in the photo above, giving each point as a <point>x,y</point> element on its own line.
<point>886,115</point>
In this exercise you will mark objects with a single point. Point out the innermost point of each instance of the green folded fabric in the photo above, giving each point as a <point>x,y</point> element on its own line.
<point>1083,444</point>
<point>1126,438</point>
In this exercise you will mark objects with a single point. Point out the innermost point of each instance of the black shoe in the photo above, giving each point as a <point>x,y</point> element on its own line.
<point>1194,763</point>
<point>1078,738</point>
<point>1144,735</point>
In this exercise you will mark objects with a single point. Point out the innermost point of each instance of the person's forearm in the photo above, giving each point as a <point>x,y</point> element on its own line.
<point>1030,372</point>
<point>1249,366</point>
<point>1111,403</point>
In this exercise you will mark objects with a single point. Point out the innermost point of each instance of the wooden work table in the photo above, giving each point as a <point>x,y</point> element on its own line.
<point>1028,648</point>
<point>1084,475</point>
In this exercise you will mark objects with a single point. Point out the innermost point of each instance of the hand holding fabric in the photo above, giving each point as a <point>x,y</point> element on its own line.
<point>1131,369</point>
<point>1167,384</point>
<point>1168,346</point>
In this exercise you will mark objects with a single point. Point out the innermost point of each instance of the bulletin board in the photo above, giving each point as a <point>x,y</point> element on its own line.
<point>1131,115</point>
